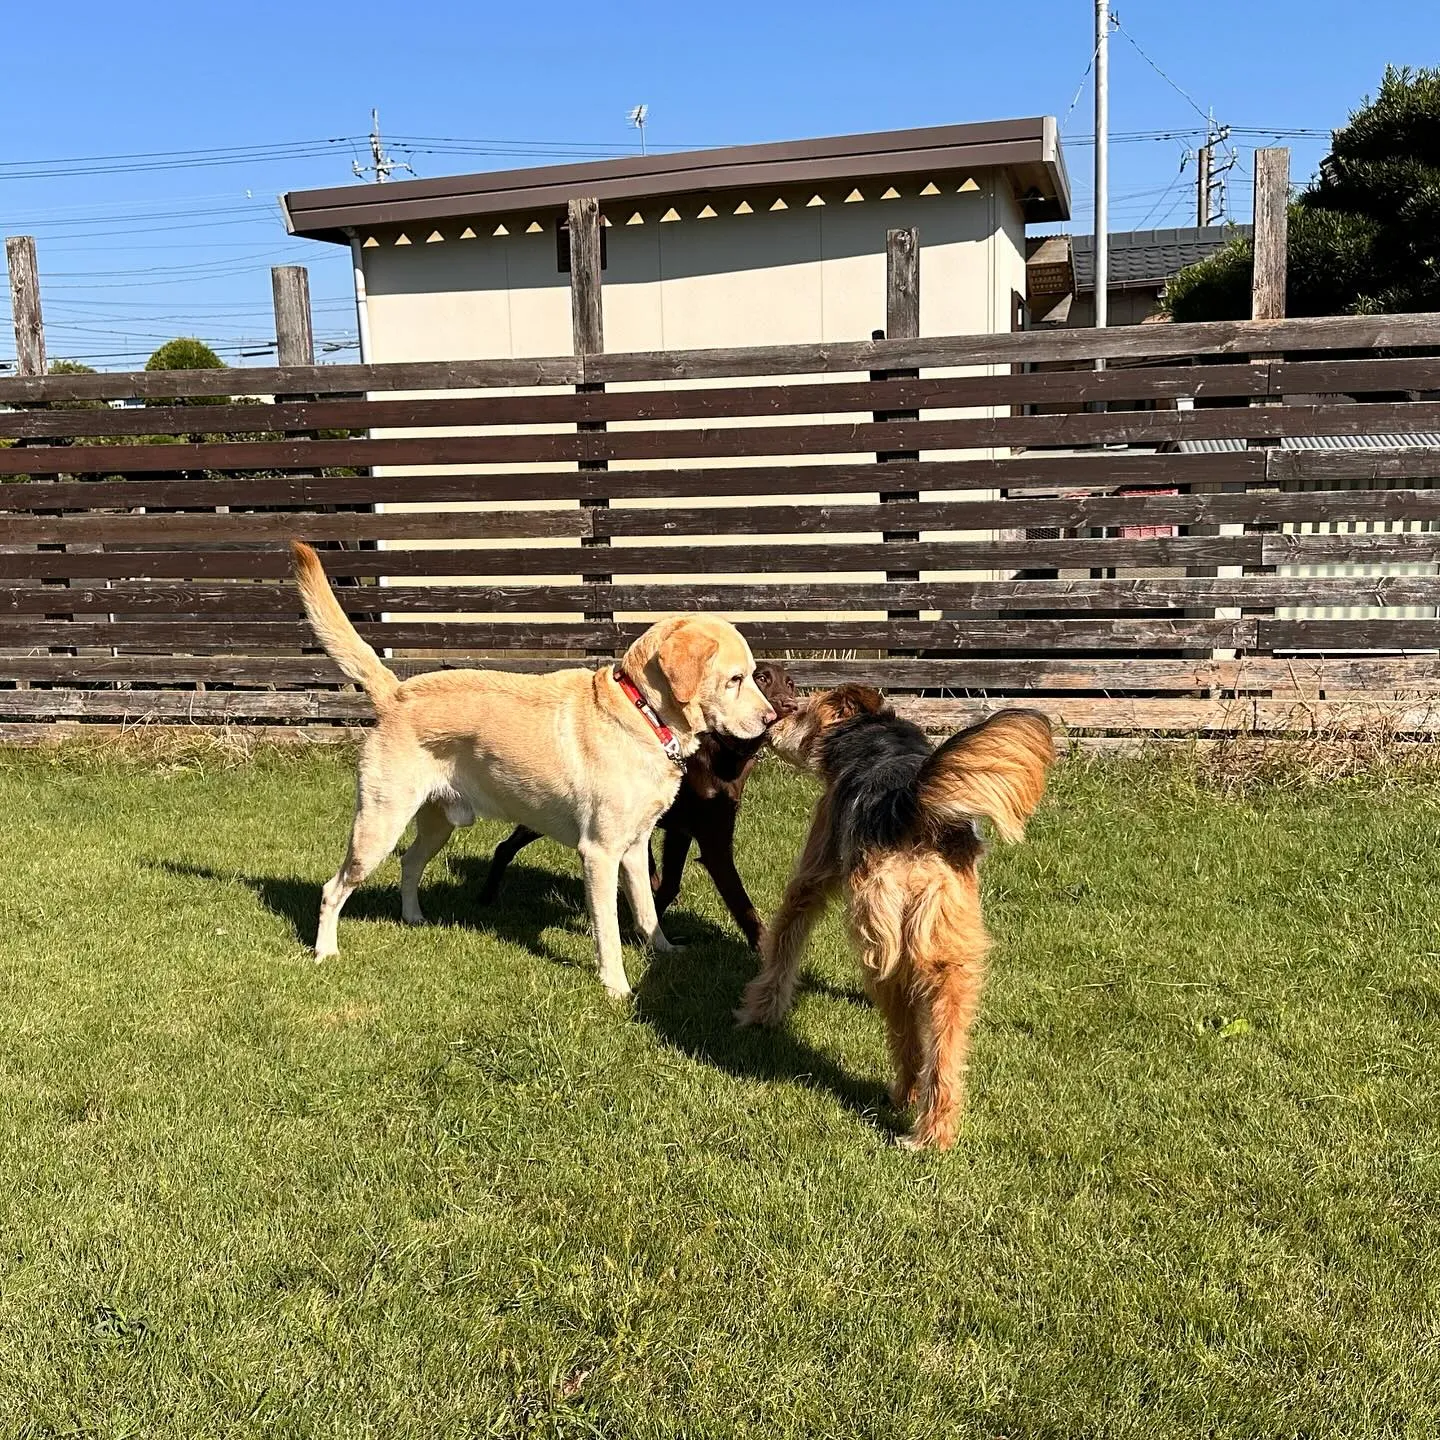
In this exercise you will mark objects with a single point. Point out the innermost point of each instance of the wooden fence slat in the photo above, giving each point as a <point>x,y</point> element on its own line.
<point>1182,717</point>
<point>156,598</point>
<point>1148,427</point>
<point>263,380</point>
<point>272,563</point>
<point>1040,387</point>
<point>1148,342</point>
<point>1017,633</point>
<point>1131,342</point>
<point>1413,675</point>
<point>1070,472</point>
<point>1083,713</point>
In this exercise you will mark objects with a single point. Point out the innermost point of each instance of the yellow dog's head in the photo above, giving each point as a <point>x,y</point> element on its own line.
<point>699,667</point>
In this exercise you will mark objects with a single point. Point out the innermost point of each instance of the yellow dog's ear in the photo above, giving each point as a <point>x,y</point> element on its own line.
<point>683,657</point>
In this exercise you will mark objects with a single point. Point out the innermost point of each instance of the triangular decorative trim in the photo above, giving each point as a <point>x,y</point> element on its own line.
<point>370,243</point>
<point>605,221</point>
<point>779,205</point>
<point>402,239</point>
<point>670,215</point>
<point>500,229</point>
<point>813,201</point>
<point>636,219</point>
<point>468,234</point>
<point>968,186</point>
<point>534,228</point>
<point>891,194</point>
<point>931,189</point>
<point>434,238</point>
<point>853,196</point>
<point>708,213</point>
<point>744,208</point>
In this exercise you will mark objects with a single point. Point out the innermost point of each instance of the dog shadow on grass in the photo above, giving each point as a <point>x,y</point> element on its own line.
<point>532,902</point>
<point>687,996</point>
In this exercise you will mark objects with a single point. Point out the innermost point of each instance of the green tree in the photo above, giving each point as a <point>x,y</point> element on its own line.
<point>186,353</point>
<point>1364,235</point>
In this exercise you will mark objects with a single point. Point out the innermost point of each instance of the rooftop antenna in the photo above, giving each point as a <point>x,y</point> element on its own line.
<point>381,164</point>
<point>637,117</point>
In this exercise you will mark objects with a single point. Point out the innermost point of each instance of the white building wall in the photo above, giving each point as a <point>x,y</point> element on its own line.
<point>805,273</point>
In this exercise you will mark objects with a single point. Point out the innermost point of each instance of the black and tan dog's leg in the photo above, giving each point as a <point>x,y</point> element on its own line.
<point>768,996</point>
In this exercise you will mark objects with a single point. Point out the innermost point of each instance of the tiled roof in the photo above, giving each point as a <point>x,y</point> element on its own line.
<point>1143,259</point>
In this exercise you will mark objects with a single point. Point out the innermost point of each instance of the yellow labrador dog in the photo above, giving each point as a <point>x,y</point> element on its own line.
<point>590,758</point>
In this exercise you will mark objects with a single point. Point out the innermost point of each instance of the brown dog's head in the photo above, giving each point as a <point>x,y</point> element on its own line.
<point>698,668</point>
<point>777,687</point>
<point>794,736</point>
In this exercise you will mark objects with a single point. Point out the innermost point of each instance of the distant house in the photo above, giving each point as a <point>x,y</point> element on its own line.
<point>1060,272</point>
<point>760,244</point>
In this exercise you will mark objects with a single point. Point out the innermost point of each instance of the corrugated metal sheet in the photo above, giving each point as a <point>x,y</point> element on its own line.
<point>1419,439</point>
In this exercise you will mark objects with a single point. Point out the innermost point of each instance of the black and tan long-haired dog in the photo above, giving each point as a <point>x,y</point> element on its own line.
<point>897,826</point>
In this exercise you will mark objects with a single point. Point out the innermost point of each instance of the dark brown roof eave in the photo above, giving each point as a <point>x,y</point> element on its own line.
<point>1029,149</point>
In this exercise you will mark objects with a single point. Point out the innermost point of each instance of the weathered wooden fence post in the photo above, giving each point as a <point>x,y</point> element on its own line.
<point>587,318</point>
<point>25,304</point>
<point>1267,302</point>
<point>294,329</point>
<point>1272,228</point>
<point>24,273</point>
<point>30,359</point>
<point>902,322</point>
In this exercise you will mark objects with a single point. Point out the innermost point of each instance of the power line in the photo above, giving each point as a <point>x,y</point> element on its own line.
<point>1184,94</point>
<point>1080,90</point>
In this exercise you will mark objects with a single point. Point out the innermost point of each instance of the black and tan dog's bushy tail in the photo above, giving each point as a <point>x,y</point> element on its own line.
<point>995,769</point>
<point>332,627</point>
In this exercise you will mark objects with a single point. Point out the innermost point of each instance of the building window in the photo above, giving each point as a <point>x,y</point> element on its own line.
<point>562,247</point>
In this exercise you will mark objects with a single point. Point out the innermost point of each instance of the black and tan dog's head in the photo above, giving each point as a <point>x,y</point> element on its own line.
<point>796,736</point>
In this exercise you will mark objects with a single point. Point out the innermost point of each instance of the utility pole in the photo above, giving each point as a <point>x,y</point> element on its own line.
<point>1209,181</point>
<point>381,165</point>
<point>1102,164</point>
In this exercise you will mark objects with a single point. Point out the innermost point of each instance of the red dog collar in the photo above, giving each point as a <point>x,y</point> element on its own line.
<point>663,732</point>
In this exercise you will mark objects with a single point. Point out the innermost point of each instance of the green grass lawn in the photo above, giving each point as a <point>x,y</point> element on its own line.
<point>443,1187</point>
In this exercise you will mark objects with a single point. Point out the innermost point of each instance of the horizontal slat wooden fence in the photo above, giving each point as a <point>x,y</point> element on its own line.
<point>1062,559</point>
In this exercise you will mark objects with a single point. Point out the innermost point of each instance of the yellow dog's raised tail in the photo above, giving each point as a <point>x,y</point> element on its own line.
<point>332,627</point>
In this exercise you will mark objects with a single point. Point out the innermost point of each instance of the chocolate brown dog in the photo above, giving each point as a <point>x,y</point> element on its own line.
<point>704,811</point>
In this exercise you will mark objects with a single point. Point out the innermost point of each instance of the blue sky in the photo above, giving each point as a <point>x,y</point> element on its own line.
<point>133,251</point>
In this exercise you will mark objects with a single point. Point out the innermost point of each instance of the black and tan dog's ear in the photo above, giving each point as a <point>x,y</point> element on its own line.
<point>845,702</point>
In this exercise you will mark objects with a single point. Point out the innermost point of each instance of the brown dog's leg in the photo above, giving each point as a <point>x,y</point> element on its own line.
<point>717,855</point>
<point>673,853</point>
<point>768,995</point>
<point>505,852</point>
